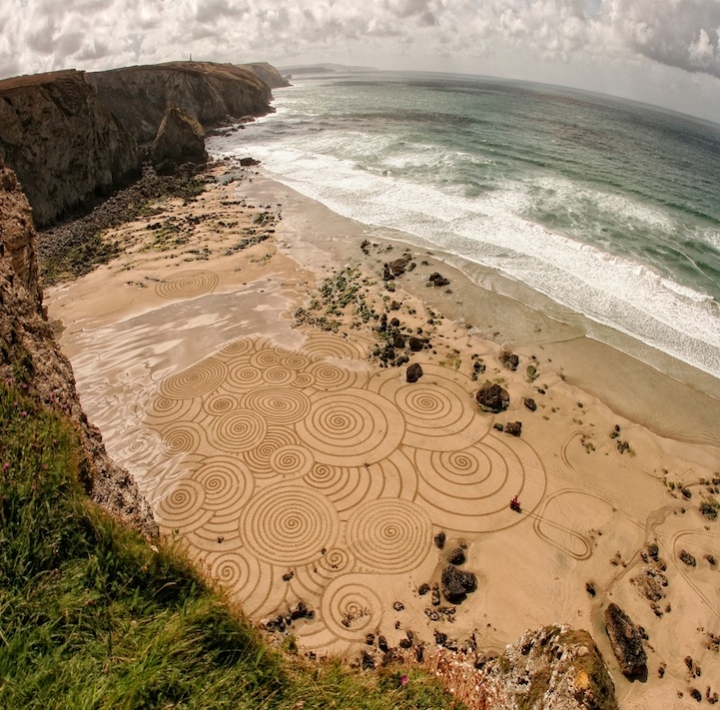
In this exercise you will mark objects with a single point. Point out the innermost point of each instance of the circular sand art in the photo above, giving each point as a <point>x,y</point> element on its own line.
<point>302,475</point>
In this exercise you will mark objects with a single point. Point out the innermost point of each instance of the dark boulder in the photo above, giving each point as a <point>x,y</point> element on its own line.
<point>248,162</point>
<point>530,403</point>
<point>398,341</point>
<point>509,360</point>
<point>457,556</point>
<point>457,584</point>
<point>437,279</point>
<point>393,269</point>
<point>414,372</point>
<point>687,558</point>
<point>180,139</point>
<point>492,397</point>
<point>440,540</point>
<point>416,344</point>
<point>626,641</point>
<point>514,428</point>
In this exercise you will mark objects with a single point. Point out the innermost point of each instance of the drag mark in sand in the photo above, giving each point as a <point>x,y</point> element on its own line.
<point>299,474</point>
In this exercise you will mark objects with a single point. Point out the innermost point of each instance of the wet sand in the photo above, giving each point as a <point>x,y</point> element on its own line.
<point>293,466</point>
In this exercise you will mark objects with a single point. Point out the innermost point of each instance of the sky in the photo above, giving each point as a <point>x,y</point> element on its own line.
<point>662,52</point>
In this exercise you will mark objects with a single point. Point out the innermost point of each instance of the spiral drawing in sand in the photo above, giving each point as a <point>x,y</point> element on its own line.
<point>187,284</point>
<point>302,463</point>
<point>288,524</point>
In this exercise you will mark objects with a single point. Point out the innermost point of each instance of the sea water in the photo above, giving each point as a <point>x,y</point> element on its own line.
<point>608,207</point>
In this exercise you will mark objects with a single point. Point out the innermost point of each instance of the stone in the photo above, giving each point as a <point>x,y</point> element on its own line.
<point>514,428</point>
<point>414,372</point>
<point>383,644</point>
<point>530,403</point>
<point>687,558</point>
<point>423,589</point>
<point>439,540</point>
<point>457,584</point>
<point>492,398</point>
<point>437,279</point>
<point>509,360</point>
<point>393,269</point>
<point>398,341</point>
<point>457,556</point>
<point>626,641</point>
<point>416,344</point>
<point>248,162</point>
<point>180,139</point>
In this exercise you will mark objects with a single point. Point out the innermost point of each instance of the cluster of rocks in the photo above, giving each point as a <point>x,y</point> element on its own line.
<point>651,582</point>
<point>283,622</point>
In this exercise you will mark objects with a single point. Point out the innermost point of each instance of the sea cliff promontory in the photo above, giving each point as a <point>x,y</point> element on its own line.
<point>72,138</point>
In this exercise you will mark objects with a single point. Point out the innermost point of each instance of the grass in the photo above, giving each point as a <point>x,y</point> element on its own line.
<point>92,617</point>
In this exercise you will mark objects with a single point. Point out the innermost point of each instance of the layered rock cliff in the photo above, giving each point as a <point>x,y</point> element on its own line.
<point>212,94</point>
<point>65,147</point>
<point>30,358</point>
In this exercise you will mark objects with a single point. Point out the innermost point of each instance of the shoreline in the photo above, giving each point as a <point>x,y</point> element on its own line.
<point>181,335</point>
<point>646,387</point>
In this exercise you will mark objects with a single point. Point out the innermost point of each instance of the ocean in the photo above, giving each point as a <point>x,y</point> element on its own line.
<point>610,208</point>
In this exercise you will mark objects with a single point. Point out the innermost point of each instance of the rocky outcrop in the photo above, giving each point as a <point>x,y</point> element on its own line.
<point>212,94</point>
<point>64,146</point>
<point>269,74</point>
<point>492,398</point>
<point>180,139</point>
<point>626,641</point>
<point>553,668</point>
<point>30,358</point>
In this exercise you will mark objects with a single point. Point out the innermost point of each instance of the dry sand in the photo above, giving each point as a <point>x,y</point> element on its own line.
<point>294,467</point>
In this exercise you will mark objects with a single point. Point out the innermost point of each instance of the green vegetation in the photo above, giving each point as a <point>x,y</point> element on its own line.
<point>80,259</point>
<point>92,617</point>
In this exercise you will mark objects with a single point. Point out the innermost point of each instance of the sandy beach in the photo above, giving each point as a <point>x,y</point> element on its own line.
<point>232,359</point>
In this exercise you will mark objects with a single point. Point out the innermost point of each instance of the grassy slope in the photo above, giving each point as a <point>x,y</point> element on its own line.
<point>91,617</point>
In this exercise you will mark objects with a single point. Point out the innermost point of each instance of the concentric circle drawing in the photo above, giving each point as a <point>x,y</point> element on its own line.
<point>470,490</point>
<point>196,381</point>
<point>242,375</point>
<point>329,376</point>
<point>292,461</point>
<point>278,406</point>
<point>321,346</point>
<point>438,409</point>
<point>259,459</point>
<point>220,403</point>
<point>351,426</point>
<point>389,535</point>
<point>227,484</point>
<point>351,608</point>
<point>163,410</point>
<point>236,431</point>
<point>187,284</point>
<point>265,359</point>
<point>244,346</point>
<point>288,524</point>
<point>181,505</point>
<point>278,375</point>
<point>182,437</point>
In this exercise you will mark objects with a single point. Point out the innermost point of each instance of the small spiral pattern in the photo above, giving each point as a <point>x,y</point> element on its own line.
<point>182,437</point>
<point>278,375</point>
<point>219,403</point>
<point>244,346</point>
<point>278,406</point>
<point>288,524</point>
<point>259,458</point>
<point>291,461</point>
<point>265,358</point>
<point>242,376</point>
<point>227,484</point>
<point>196,381</point>
<point>181,506</point>
<point>351,608</point>
<point>237,431</point>
<point>389,535</point>
<point>163,409</point>
<point>331,377</point>
<point>187,284</point>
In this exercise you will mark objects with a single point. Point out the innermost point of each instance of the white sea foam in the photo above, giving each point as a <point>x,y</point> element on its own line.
<point>616,291</point>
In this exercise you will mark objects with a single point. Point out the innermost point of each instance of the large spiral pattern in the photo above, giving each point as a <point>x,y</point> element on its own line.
<point>350,426</point>
<point>182,438</point>
<point>227,484</point>
<point>389,535</point>
<point>181,506</point>
<point>236,431</point>
<point>292,461</point>
<point>287,524</point>
<point>278,406</point>
<point>351,608</point>
<point>187,284</point>
<point>242,376</point>
<point>200,379</point>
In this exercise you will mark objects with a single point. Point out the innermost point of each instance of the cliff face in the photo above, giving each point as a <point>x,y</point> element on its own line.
<point>212,94</point>
<point>64,146</point>
<point>31,359</point>
<point>269,74</point>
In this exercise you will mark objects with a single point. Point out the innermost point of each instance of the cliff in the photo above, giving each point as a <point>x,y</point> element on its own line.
<point>31,359</point>
<point>64,146</point>
<point>212,94</point>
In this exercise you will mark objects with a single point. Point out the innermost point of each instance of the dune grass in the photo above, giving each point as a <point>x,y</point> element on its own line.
<point>92,617</point>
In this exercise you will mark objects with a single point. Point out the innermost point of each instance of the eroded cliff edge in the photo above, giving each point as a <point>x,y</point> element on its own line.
<point>72,138</point>
<point>30,358</point>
